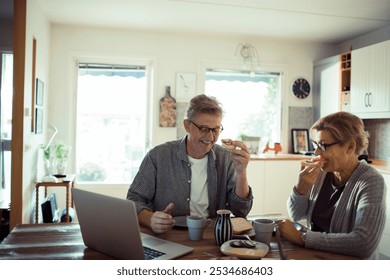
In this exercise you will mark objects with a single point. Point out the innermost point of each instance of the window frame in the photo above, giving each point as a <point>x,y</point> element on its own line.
<point>238,66</point>
<point>148,63</point>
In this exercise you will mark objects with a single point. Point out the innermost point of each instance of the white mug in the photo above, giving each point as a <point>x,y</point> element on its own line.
<point>263,230</point>
<point>196,225</point>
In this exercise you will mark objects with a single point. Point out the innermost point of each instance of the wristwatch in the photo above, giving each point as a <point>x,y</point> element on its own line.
<point>304,238</point>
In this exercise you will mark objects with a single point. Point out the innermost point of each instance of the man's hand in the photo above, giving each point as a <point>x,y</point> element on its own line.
<point>240,158</point>
<point>162,221</point>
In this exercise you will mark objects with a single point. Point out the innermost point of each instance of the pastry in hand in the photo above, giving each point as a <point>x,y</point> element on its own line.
<point>228,144</point>
<point>317,158</point>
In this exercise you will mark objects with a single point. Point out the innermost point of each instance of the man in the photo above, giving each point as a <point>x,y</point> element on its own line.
<point>192,175</point>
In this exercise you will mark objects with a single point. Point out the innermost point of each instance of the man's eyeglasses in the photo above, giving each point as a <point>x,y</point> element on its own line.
<point>204,129</point>
<point>322,147</point>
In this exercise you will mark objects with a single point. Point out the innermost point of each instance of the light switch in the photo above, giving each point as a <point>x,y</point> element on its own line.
<point>27,112</point>
<point>27,147</point>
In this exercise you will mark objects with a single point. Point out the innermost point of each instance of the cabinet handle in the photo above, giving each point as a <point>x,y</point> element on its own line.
<point>366,99</point>
<point>369,99</point>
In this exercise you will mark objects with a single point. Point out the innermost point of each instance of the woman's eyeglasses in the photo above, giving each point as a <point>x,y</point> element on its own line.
<point>204,129</point>
<point>322,147</point>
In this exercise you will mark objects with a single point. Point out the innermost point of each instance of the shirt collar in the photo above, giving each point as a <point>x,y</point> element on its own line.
<point>183,150</point>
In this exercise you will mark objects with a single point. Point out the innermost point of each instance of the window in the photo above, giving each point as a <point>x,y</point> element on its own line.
<point>6,86</point>
<point>252,103</point>
<point>111,122</point>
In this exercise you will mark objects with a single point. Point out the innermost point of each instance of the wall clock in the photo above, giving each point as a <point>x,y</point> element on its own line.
<point>301,88</point>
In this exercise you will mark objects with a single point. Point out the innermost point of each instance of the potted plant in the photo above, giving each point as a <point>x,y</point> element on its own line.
<point>61,152</point>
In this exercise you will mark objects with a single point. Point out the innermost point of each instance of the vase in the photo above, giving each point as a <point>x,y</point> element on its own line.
<point>223,230</point>
<point>61,167</point>
<point>48,167</point>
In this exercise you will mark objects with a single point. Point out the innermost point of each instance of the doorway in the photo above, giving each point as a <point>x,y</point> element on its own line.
<point>6,96</point>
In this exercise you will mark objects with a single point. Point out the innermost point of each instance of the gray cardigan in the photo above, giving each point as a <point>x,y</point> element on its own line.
<point>358,219</point>
<point>165,176</point>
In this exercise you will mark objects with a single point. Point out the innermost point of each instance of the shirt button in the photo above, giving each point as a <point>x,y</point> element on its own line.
<point>188,199</point>
<point>189,181</point>
<point>189,164</point>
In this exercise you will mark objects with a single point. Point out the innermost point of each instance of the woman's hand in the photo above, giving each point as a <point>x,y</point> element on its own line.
<point>288,231</point>
<point>310,169</point>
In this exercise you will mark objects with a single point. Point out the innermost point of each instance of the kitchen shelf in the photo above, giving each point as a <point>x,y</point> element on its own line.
<point>345,81</point>
<point>345,62</point>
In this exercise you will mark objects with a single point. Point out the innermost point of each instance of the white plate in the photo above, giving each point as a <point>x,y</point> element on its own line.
<point>245,253</point>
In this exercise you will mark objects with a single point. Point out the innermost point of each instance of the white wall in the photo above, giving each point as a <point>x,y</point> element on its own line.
<point>169,54</point>
<point>36,27</point>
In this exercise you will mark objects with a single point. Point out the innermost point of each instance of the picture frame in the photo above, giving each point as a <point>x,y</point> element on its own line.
<point>34,84</point>
<point>252,143</point>
<point>39,92</point>
<point>38,120</point>
<point>300,140</point>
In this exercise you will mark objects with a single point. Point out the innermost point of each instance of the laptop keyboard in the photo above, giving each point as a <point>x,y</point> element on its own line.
<point>151,254</point>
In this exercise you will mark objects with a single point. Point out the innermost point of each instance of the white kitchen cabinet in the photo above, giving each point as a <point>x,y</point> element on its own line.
<point>280,177</point>
<point>255,173</point>
<point>272,182</point>
<point>326,87</point>
<point>370,81</point>
<point>384,245</point>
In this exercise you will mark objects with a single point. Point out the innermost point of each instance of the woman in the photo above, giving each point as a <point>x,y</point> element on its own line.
<point>341,198</point>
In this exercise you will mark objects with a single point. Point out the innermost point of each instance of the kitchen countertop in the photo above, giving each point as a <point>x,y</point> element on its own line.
<point>279,157</point>
<point>381,165</point>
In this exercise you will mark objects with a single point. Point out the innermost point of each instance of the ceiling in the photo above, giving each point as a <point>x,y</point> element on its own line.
<point>325,21</point>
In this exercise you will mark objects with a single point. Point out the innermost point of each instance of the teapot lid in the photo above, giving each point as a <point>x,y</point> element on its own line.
<point>223,212</point>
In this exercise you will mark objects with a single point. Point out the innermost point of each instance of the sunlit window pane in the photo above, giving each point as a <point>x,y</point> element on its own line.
<point>6,95</point>
<point>6,87</point>
<point>111,128</point>
<point>251,104</point>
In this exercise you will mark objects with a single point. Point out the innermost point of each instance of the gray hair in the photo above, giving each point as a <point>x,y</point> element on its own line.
<point>203,104</point>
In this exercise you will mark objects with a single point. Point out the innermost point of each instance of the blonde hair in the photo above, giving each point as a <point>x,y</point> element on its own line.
<point>344,127</point>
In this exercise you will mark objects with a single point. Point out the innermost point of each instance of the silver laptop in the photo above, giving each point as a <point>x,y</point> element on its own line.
<point>110,225</point>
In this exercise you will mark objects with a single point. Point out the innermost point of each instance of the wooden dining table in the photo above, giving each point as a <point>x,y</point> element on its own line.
<point>63,241</point>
